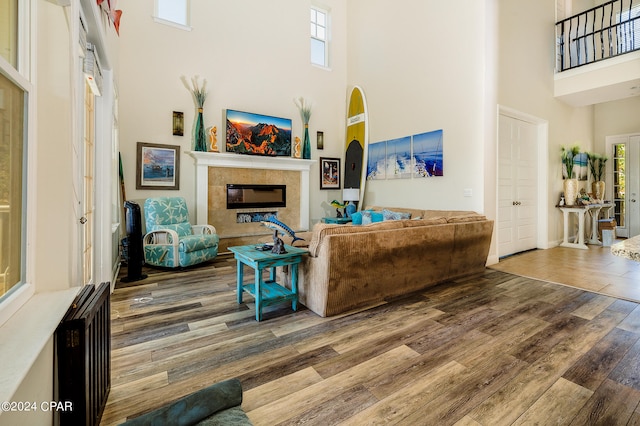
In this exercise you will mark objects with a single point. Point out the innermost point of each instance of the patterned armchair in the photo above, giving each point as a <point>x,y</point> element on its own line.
<point>172,241</point>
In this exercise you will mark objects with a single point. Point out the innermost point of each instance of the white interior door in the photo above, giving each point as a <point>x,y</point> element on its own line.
<point>517,185</point>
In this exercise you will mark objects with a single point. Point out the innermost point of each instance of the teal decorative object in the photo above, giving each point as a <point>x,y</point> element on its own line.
<point>306,145</point>
<point>199,96</point>
<point>199,138</point>
<point>305,115</point>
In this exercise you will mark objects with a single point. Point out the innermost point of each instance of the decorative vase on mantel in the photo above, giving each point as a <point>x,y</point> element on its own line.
<point>305,113</point>
<point>199,138</point>
<point>570,191</point>
<point>199,93</point>
<point>306,145</point>
<point>597,189</point>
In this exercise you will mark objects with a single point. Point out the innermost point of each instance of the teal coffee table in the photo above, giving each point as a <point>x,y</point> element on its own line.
<point>268,292</point>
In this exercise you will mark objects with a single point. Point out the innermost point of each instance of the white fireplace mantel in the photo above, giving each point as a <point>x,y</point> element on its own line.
<point>204,160</point>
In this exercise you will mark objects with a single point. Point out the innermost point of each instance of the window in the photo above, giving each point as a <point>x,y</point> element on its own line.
<point>12,160</point>
<point>173,12</point>
<point>629,30</point>
<point>619,186</point>
<point>319,37</point>
<point>9,31</point>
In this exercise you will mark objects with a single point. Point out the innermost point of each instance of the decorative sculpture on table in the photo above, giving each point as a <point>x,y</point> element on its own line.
<point>338,205</point>
<point>279,228</point>
<point>296,148</point>
<point>213,139</point>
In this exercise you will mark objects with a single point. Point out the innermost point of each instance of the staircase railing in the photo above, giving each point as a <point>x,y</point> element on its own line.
<point>605,31</point>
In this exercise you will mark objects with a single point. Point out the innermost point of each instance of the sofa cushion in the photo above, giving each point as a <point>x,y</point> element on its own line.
<point>191,243</point>
<point>424,222</point>
<point>197,407</point>
<point>182,229</point>
<point>324,230</point>
<point>471,217</point>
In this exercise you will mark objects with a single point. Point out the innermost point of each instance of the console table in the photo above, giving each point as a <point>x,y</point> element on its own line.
<point>580,211</point>
<point>269,292</point>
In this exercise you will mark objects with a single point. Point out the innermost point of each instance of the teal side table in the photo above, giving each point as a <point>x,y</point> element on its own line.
<point>338,220</point>
<point>268,292</point>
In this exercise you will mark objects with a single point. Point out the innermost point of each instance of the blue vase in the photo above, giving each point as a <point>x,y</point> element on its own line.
<point>306,146</point>
<point>199,138</point>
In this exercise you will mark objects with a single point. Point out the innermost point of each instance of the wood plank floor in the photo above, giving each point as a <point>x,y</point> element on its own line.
<point>494,349</point>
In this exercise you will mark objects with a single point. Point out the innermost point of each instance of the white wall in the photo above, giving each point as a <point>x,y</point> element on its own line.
<point>419,74</point>
<point>526,72</point>
<point>254,56</point>
<point>615,118</point>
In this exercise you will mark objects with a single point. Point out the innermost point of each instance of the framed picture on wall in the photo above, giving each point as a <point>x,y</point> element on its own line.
<point>329,173</point>
<point>157,166</point>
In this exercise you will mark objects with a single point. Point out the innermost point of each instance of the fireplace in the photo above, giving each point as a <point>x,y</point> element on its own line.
<point>215,171</point>
<point>242,196</point>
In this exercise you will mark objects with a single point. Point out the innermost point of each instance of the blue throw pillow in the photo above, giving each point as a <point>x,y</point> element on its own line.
<point>356,218</point>
<point>370,216</point>
<point>391,215</point>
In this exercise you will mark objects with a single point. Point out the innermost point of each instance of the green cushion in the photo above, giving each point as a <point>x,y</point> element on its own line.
<point>193,409</point>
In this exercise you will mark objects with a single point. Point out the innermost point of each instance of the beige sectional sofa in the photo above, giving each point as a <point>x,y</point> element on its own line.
<point>356,266</point>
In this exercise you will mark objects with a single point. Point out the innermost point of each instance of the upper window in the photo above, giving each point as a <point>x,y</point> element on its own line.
<point>173,11</point>
<point>319,37</point>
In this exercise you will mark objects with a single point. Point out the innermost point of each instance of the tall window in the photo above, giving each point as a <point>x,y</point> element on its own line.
<point>12,159</point>
<point>173,11</point>
<point>319,37</point>
<point>619,183</point>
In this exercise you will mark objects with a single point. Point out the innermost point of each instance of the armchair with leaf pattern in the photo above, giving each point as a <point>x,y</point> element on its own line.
<point>171,241</point>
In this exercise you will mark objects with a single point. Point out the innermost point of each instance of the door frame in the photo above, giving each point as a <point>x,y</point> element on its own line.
<point>610,140</point>
<point>542,180</point>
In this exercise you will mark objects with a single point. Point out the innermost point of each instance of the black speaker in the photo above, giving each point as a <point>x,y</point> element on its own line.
<point>134,234</point>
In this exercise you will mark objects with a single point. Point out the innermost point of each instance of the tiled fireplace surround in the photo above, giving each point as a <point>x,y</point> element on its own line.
<point>215,170</point>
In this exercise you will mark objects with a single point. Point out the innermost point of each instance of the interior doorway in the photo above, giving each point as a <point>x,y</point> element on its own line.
<point>522,218</point>
<point>623,182</point>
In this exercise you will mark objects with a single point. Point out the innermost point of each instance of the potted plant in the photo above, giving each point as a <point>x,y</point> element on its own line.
<point>596,165</point>
<point>570,183</point>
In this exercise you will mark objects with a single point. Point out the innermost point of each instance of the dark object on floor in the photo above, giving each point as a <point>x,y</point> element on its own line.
<point>134,238</point>
<point>218,404</point>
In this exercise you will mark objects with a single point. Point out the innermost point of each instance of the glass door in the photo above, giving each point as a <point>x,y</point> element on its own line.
<point>624,173</point>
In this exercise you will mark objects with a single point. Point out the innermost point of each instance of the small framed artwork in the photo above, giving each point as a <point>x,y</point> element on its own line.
<point>329,173</point>
<point>320,140</point>
<point>157,166</point>
<point>178,123</point>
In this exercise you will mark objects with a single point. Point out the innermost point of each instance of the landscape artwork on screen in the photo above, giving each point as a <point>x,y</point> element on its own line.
<point>427,154</point>
<point>257,134</point>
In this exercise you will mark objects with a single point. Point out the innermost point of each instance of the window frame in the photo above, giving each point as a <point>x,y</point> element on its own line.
<point>325,40</point>
<point>11,301</point>
<point>173,23</point>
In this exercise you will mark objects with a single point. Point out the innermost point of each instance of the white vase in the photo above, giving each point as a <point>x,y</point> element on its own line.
<point>570,191</point>
<point>598,189</point>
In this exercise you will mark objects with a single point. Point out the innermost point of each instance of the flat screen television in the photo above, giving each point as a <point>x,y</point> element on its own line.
<point>241,196</point>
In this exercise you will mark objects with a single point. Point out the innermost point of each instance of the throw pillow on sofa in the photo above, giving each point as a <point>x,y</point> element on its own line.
<point>391,215</point>
<point>369,217</point>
